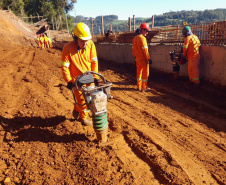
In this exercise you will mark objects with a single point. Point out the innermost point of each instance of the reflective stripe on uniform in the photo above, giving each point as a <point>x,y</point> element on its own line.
<point>194,78</point>
<point>138,79</point>
<point>66,64</point>
<point>144,47</point>
<point>86,110</point>
<point>185,46</point>
<point>94,59</point>
<point>144,80</point>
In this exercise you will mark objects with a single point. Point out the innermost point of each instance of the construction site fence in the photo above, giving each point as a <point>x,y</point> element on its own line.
<point>210,34</point>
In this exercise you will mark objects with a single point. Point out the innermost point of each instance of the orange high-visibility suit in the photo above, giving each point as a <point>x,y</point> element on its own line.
<point>50,42</point>
<point>38,41</point>
<point>74,63</point>
<point>42,42</point>
<point>140,52</point>
<point>46,42</point>
<point>191,50</point>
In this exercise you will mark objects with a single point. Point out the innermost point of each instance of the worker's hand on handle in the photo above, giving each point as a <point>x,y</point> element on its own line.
<point>70,85</point>
<point>150,61</point>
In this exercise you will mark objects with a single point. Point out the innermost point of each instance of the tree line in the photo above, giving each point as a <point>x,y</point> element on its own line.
<point>169,18</point>
<point>56,13</point>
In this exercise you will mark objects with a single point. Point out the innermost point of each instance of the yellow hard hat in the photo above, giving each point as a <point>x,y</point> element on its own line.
<point>82,31</point>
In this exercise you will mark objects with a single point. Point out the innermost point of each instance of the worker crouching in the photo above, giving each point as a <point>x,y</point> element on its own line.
<point>191,50</point>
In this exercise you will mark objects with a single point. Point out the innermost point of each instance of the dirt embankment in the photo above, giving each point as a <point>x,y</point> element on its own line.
<point>175,134</point>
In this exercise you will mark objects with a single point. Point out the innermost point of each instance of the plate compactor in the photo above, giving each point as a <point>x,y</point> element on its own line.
<point>177,59</point>
<point>96,92</point>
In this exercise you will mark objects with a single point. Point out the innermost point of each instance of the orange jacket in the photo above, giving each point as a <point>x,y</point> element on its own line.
<point>50,42</point>
<point>76,61</point>
<point>140,48</point>
<point>46,39</point>
<point>38,40</point>
<point>191,46</point>
<point>41,39</point>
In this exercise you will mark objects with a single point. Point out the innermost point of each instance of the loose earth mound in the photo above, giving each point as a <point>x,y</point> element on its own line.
<point>175,134</point>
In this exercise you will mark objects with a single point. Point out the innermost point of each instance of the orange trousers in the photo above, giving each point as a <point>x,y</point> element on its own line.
<point>142,74</point>
<point>83,112</point>
<point>193,69</point>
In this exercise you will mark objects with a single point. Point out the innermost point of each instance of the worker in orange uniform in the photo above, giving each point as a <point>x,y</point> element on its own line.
<point>79,56</point>
<point>38,40</point>
<point>50,42</point>
<point>191,50</point>
<point>46,41</point>
<point>42,41</point>
<point>142,58</point>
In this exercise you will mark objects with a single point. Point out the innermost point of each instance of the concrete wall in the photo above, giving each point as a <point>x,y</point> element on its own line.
<point>212,64</point>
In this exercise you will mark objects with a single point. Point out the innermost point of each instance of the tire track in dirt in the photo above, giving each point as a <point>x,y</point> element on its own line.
<point>140,169</point>
<point>159,140</point>
<point>203,175</point>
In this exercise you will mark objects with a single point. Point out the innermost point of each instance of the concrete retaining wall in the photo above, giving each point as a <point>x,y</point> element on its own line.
<point>212,64</point>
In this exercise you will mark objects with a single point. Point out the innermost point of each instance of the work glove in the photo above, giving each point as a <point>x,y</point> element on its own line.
<point>70,85</point>
<point>150,61</point>
<point>96,82</point>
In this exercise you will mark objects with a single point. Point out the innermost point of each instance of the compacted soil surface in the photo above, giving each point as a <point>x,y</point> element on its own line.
<point>174,134</point>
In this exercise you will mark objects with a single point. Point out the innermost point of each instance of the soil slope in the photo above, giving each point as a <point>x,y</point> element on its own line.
<point>175,134</point>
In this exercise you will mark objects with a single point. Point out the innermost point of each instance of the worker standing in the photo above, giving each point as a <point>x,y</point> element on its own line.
<point>142,58</point>
<point>50,42</point>
<point>46,41</point>
<point>42,41</point>
<point>191,50</point>
<point>79,56</point>
<point>38,41</point>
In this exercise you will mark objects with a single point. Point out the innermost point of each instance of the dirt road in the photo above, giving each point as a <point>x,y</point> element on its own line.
<point>175,134</point>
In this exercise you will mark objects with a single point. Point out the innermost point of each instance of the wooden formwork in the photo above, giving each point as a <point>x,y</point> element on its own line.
<point>209,34</point>
<point>124,37</point>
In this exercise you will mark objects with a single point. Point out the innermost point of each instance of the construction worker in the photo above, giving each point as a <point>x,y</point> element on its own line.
<point>79,56</point>
<point>191,50</point>
<point>142,58</point>
<point>41,42</point>
<point>46,41</point>
<point>50,42</point>
<point>38,40</point>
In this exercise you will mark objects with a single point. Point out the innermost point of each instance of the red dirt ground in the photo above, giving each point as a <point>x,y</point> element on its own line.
<point>175,134</point>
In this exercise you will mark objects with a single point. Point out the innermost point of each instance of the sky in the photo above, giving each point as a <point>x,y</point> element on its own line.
<point>140,8</point>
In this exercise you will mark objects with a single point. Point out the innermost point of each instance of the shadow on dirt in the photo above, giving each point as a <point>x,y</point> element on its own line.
<point>37,129</point>
<point>123,89</point>
<point>193,110</point>
<point>208,99</point>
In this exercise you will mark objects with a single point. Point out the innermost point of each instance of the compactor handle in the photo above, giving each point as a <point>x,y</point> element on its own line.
<point>91,80</point>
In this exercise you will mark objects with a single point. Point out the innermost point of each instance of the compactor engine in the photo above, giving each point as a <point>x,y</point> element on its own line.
<point>177,59</point>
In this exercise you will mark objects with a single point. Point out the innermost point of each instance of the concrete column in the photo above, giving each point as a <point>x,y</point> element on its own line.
<point>153,21</point>
<point>102,23</point>
<point>129,24</point>
<point>92,28</point>
<point>134,27</point>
